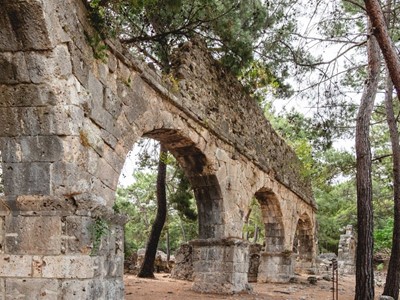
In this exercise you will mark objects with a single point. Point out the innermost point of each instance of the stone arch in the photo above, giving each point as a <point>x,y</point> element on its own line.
<point>272,219</point>
<point>70,120</point>
<point>205,185</point>
<point>303,241</point>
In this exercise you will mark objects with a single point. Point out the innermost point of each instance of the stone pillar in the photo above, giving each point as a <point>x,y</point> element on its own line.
<point>220,265</point>
<point>347,251</point>
<point>254,261</point>
<point>275,267</point>
<point>52,248</point>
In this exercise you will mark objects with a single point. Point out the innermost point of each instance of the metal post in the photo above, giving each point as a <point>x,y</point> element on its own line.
<point>335,280</point>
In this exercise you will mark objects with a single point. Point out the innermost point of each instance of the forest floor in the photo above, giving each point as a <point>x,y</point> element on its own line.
<point>165,287</point>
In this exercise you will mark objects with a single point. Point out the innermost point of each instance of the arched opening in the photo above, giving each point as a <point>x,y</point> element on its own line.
<point>254,232</point>
<point>272,219</point>
<point>303,243</point>
<point>275,261</point>
<point>192,197</point>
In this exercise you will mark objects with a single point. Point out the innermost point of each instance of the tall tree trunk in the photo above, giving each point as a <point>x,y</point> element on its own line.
<point>393,274</point>
<point>364,261</point>
<point>256,230</point>
<point>380,25</point>
<point>381,33</point>
<point>147,268</point>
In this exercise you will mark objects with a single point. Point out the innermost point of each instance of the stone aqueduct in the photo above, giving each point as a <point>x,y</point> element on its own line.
<point>68,121</point>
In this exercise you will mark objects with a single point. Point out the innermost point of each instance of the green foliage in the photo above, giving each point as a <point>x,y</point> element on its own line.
<point>182,197</point>
<point>98,229</point>
<point>254,221</point>
<point>98,46</point>
<point>383,236</point>
<point>231,27</point>
<point>251,38</point>
<point>337,207</point>
<point>138,201</point>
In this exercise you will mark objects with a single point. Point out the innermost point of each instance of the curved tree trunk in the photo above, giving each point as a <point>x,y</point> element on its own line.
<point>392,60</point>
<point>381,33</point>
<point>364,261</point>
<point>147,268</point>
<point>393,274</point>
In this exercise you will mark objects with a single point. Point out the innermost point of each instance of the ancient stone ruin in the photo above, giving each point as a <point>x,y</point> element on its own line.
<point>68,120</point>
<point>347,251</point>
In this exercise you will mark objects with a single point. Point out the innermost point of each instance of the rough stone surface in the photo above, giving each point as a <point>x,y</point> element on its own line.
<point>254,261</point>
<point>183,268</point>
<point>347,251</point>
<point>161,264</point>
<point>68,122</point>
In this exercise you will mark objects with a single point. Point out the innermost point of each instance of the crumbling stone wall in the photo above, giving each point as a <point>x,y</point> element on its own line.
<point>183,268</point>
<point>219,101</point>
<point>254,262</point>
<point>347,251</point>
<point>68,121</point>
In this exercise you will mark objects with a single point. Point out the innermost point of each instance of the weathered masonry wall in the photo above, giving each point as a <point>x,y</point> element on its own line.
<point>67,122</point>
<point>219,101</point>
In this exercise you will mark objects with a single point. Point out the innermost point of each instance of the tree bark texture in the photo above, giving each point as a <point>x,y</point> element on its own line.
<point>364,261</point>
<point>393,275</point>
<point>381,33</point>
<point>147,268</point>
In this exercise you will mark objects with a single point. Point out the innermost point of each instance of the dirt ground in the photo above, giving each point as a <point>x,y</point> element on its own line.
<point>164,287</point>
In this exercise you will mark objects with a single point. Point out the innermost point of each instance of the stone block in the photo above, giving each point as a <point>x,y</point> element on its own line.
<point>114,288</point>
<point>103,193</point>
<point>15,265</point>
<point>46,289</point>
<point>76,234</point>
<point>107,174</point>
<point>95,88</point>
<point>80,64</point>
<point>90,136</point>
<point>135,97</point>
<point>24,27</point>
<point>35,205</point>
<point>33,235</point>
<point>115,266</point>
<point>14,69</point>
<point>26,178</point>
<point>112,63</point>
<point>66,266</point>
<point>43,66</point>
<point>46,120</point>
<point>83,289</point>
<point>112,103</point>
<point>69,179</point>
<point>32,149</point>
<point>105,120</point>
<point>108,138</point>
<point>27,95</point>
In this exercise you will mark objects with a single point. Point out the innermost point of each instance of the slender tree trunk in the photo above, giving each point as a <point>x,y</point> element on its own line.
<point>183,229</point>
<point>380,25</point>
<point>393,274</point>
<point>255,234</point>
<point>147,268</point>
<point>364,261</point>
<point>381,33</point>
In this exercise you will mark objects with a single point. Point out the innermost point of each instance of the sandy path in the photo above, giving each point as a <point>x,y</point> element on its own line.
<point>164,287</point>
